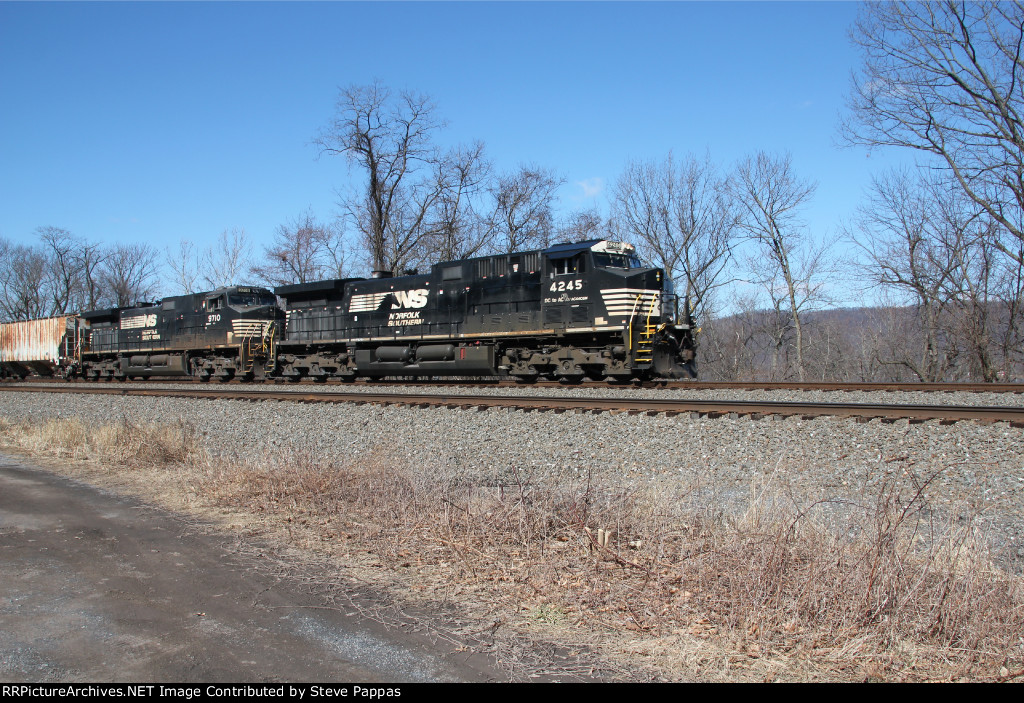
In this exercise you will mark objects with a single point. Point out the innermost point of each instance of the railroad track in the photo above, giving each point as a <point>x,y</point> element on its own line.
<point>849,387</point>
<point>673,385</point>
<point>651,406</point>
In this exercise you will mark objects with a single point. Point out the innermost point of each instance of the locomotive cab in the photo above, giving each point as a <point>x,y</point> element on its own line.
<point>603,286</point>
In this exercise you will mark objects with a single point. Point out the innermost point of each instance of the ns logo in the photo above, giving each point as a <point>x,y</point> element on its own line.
<point>410,298</point>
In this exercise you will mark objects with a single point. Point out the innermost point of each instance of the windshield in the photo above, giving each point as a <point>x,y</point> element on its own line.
<point>616,261</point>
<point>246,300</point>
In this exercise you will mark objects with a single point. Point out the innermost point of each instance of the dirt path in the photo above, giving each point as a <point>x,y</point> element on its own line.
<point>97,587</point>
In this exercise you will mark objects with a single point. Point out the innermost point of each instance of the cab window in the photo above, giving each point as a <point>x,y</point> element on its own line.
<point>616,261</point>
<point>568,266</point>
<point>250,299</point>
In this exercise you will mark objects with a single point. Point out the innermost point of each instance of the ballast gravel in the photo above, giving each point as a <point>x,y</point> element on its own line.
<point>974,471</point>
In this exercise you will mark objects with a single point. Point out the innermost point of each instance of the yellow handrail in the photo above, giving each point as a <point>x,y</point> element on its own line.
<point>636,302</point>
<point>650,310</point>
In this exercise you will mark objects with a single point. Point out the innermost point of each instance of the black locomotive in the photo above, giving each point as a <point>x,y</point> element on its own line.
<point>222,334</point>
<point>568,312</point>
<point>572,311</point>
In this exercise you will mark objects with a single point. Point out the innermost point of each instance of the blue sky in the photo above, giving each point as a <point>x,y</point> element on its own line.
<point>159,121</point>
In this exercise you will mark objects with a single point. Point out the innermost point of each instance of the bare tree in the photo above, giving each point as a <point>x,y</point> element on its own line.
<point>887,336</point>
<point>458,229</point>
<point>129,274</point>
<point>947,79</point>
<point>521,217</point>
<point>303,250</point>
<point>1009,292</point>
<point>683,217</point>
<point>896,230</point>
<point>925,242</point>
<point>58,275</point>
<point>750,344</point>
<point>391,139</point>
<point>788,268</point>
<point>582,226</point>
<point>225,261</point>
<point>91,256</point>
<point>23,273</point>
<point>70,283</point>
<point>64,276</point>
<point>334,252</point>
<point>184,266</point>
<point>6,258</point>
<point>967,238</point>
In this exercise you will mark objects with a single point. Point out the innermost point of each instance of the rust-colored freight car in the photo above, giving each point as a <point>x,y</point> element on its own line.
<point>37,346</point>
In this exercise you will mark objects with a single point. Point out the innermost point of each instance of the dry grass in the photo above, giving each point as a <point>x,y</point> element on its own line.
<point>121,443</point>
<point>881,589</point>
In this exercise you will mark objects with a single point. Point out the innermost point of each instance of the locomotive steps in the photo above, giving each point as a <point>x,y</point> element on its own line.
<point>755,410</point>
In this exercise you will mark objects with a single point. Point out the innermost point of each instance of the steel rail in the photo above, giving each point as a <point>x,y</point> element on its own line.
<point>852,386</point>
<point>673,385</point>
<point>650,406</point>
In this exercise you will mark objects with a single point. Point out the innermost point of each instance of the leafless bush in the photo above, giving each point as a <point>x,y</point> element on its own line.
<point>893,587</point>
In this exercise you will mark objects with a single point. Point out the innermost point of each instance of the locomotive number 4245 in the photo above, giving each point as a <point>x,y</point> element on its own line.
<point>559,286</point>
